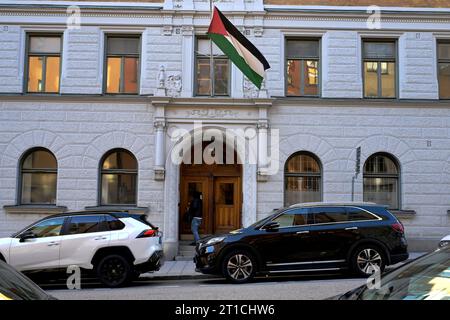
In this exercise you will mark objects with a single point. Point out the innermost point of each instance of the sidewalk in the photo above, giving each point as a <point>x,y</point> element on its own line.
<point>186,269</point>
<point>176,270</point>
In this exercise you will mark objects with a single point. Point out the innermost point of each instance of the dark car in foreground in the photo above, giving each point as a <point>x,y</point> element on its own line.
<point>426,278</point>
<point>16,286</point>
<point>360,237</point>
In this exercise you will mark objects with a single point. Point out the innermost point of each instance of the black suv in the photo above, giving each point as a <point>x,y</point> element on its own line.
<point>305,238</point>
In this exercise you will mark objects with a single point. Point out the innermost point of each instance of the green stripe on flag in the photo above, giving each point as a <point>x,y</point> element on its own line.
<point>234,56</point>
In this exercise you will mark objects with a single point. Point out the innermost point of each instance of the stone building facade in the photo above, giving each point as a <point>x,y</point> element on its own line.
<point>81,122</point>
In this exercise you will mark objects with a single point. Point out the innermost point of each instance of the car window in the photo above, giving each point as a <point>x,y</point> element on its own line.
<point>329,215</point>
<point>85,224</point>
<point>15,286</point>
<point>358,214</point>
<point>427,278</point>
<point>114,223</point>
<point>291,218</point>
<point>47,228</point>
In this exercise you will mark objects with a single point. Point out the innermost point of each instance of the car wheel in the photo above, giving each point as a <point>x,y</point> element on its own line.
<point>239,266</point>
<point>114,271</point>
<point>367,259</point>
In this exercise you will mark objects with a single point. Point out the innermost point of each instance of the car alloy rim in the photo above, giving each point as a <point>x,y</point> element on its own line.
<point>368,261</point>
<point>113,270</point>
<point>239,267</point>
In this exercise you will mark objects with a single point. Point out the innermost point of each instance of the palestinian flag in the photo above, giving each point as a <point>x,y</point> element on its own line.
<point>237,47</point>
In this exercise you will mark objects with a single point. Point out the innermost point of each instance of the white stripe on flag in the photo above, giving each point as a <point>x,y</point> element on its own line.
<point>251,60</point>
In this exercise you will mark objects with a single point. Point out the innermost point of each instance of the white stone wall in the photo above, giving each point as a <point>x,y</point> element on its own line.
<point>78,134</point>
<point>418,66</point>
<point>11,59</point>
<point>159,49</point>
<point>334,132</point>
<point>271,45</point>
<point>341,65</point>
<point>82,65</point>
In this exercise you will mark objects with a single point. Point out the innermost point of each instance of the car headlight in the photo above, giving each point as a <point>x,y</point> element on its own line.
<point>214,240</point>
<point>443,244</point>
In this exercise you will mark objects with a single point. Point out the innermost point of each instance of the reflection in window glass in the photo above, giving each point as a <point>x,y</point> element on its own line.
<point>371,79</point>
<point>388,79</point>
<point>380,180</point>
<point>38,178</point>
<point>379,64</point>
<point>444,69</point>
<point>38,188</point>
<point>113,75</point>
<point>35,67</point>
<point>44,63</point>
<point>302,179</point>
<point>85,224</point>
<point>52,74</point>
<point>426,278</point>
<point>130,75</point>
<point>285,220</point>
<point>444,80</point>
<point>118,178</point>
<point>293,77</point>
<point>302,67</point>
<point>221,76</point>
<point>329,215</point>
<point>122,70</point>
<point>118,189</point>
<point>48,228</point>
<point>221,70</point>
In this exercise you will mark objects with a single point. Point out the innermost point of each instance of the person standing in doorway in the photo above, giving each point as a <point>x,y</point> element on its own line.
<point>196,213</point>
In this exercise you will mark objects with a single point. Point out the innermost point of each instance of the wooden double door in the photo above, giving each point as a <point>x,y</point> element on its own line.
<point>220,188</point>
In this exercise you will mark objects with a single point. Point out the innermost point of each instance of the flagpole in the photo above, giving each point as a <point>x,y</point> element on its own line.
<point>211,58</point>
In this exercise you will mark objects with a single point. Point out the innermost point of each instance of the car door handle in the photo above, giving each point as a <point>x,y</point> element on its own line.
<point>303,232</point>
<point>100,238</point>
<point>51,244</point>
<point>352,228</point>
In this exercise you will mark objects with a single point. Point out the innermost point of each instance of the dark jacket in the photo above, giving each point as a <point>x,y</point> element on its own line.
<point>196,208</point>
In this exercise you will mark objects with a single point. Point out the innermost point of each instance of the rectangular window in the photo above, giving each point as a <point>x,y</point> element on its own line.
<point>379,67</point>
<point>122,64</point>
<point>43,63</point>
<point>444,69</point>
<point>221,70</point>
<point>302,67</point>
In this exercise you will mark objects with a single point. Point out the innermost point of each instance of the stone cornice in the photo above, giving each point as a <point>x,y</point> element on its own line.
<point>206,102</point>
<point>280,15</point>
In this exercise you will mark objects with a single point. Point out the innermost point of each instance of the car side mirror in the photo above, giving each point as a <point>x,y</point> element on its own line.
<point>272,226</point>
<point>26,235</point>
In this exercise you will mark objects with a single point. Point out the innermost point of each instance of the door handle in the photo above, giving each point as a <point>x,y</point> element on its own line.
<point>352,228</point>
<point>100,238</point>
<point>303,232</point>
<point>51,244</point>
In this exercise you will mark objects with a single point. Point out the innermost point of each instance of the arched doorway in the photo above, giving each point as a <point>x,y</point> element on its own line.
<point>220,186</point>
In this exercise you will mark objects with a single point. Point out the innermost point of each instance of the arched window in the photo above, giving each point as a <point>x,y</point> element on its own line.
<point>302,178</point>
<point>381,180</point>
<point>38,173</point>
<point>118,178</point>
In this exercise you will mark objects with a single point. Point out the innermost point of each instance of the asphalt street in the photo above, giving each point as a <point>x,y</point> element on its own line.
<point>311,287</point>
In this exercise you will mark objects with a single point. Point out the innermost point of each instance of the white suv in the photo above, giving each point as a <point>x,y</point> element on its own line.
<point>117,246</point>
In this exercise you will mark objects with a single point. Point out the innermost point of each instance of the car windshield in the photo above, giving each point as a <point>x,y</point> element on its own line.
<point>15,286</point>
<point>427,278</point>
<point>260,223</point>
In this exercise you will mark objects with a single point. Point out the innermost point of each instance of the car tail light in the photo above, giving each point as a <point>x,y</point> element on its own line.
<point>148,233</point>
<point>398,226</point>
